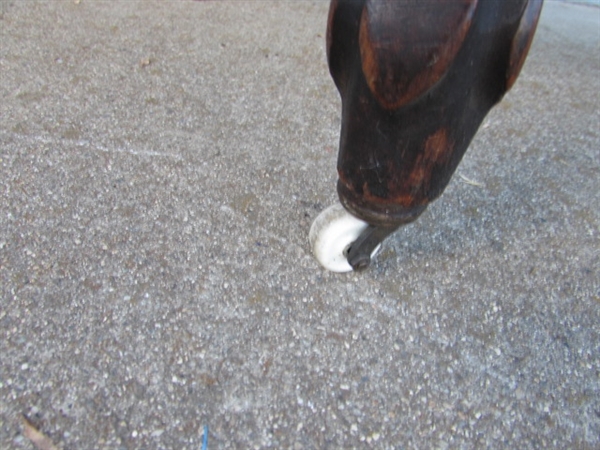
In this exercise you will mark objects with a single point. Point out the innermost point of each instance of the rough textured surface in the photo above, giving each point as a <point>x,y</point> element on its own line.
<point>160,165</point>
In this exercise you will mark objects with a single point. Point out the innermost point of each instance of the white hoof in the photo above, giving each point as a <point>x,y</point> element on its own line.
<point>331,234</point>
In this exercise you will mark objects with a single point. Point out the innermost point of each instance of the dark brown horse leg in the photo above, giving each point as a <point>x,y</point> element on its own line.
<point>416,79</point>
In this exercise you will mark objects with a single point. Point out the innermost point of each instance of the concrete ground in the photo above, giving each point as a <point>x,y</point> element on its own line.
<point>160,166</point>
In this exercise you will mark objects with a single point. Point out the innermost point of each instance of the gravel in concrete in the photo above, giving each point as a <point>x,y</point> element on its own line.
<point>160,166</point>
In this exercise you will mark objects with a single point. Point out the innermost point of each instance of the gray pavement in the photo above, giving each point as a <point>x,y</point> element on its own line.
<point>160,166</point>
